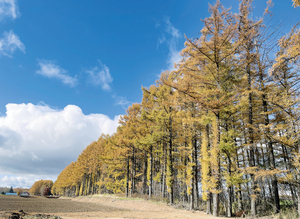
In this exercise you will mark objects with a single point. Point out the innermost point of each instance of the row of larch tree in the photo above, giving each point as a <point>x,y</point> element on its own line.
<point>222,128</point>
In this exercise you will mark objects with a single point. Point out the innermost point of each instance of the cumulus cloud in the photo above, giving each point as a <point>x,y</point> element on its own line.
<point>99,75</point>
<point>8,8</point>
<point>10,43</point>
<point>50,70</point>
<point>172,43</point>
<point>37,140</point>
<point>22,181</point>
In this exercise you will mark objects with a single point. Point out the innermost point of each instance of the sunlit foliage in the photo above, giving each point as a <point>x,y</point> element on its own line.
<point>223,127</point>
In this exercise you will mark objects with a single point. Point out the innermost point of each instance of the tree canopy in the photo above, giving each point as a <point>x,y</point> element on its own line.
<point>222,128</point>
<point>39,186</point>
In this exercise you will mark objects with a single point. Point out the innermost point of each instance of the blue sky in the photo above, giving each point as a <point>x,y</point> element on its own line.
<point>69,68</point>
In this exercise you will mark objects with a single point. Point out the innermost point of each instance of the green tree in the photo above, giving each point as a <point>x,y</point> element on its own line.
<point>11,190</point>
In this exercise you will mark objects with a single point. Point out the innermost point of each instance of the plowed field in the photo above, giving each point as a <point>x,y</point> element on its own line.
<point>95,207</point>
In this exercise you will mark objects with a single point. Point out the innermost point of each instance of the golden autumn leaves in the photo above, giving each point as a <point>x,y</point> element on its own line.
<point>222,126</point>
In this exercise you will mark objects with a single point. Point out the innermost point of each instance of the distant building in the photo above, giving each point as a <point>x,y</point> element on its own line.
<point>11,193</point>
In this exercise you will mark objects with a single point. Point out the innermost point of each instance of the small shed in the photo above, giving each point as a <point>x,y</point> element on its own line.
<point>11,193</point>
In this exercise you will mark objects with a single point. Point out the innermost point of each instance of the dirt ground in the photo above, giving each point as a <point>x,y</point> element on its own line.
<point>97,206</point>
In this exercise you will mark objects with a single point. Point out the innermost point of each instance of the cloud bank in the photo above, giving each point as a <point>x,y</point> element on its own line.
<point>38,141</point>
<point>8,8</point>
<point>25,181</point>
<point>50,70</point>
<point>99,75</point>
<point>10,43</point>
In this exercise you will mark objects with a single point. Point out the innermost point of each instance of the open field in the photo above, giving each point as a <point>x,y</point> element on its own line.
<point>95,207</point>
<point>44,205</point>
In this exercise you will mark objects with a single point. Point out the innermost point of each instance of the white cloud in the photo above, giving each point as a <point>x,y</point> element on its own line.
<point>22,181</point>
<point>39,141</point>
<point>9,43</point>
<point>99,75</point>
<point>171,29</point>
<point>161,40</point>
<point>172,43</point>
<point>50,70</point>
<point>174,57</point>
<point>122,101</point>
<point>8,8</point>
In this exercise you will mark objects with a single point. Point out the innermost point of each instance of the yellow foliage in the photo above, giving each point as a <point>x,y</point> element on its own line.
<point>205,165</point>
<point>296,3</point>
<point>38,187</point>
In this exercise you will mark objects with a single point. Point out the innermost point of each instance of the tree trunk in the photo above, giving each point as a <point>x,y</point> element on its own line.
<point>144,174</point>
<point>86,185</point>
<point>164,171</point>
<point>239,192</point>
<point>192,197</point>
<point>77,190</point>
<point>208,204</point>
<point>196,186</point>
<point>171,195</point>
<point>162,175</point>
<point>240,201</point>
<point>253,195</point>
<point>81,187</point>
<point>293,195</point>
<point>251,140</point>
<point>132,172</point>
<point>229,198</point>
<point>151,176</point>
<point>298,188</point>
<point>215,204</point>
<point>270,146</point>
<point>127,178</point>
<point>298,202</point>
<point>216,173</point>
<point>287,164</point>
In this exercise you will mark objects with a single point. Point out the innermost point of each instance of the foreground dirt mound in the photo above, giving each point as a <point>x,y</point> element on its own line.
<point>22,215</point>
<point>134,204</point>
<point>135,208</point>
<point>13,215</point>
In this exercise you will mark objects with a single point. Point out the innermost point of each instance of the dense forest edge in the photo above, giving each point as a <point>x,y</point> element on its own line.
<point>220,131</point>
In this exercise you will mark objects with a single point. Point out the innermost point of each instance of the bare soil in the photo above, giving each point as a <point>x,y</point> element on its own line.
<point>97,206</point>
<point>45,205</point>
